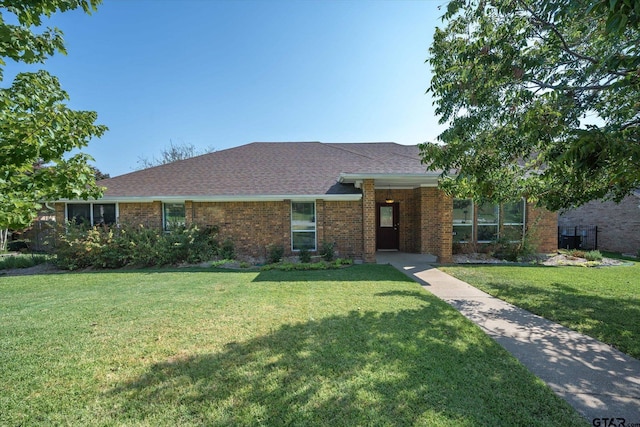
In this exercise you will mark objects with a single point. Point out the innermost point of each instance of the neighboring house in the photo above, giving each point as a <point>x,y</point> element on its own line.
<point>362,197</point>
<point>618,223</point>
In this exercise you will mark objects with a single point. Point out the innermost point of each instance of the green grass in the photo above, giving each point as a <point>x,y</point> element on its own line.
<point>603,303</point>
<point>356,346</point>
<point>21,260</point>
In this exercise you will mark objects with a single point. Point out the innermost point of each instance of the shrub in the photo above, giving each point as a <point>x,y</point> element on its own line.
<point>514,248</point>
<point>593,256</point>
<point>327,251</point>
<point>227,250</point>
<point>22,261</point>
<point>288,266</point>
<point>577,253</point>
<point>304,255</point>
<point>78,247</point>
<point>18,245</point>
<point>275,253</point>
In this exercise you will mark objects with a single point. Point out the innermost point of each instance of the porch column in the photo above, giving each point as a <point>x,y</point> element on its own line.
<point>368,221</point>
<point>436,224</point>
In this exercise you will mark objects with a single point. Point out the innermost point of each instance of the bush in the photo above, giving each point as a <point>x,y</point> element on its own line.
<point>21,261</point>
<point>289,266</point>
<point>327,251</point>
<point>577,253</point>
<point>274,254</point>
<point>79,247</point>
<point>227,250</point>
<point>304,255</point>
<point>593,256</point>
<point>18,245</point>
<point>514,248</point>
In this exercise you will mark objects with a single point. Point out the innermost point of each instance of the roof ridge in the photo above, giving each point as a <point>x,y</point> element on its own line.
<point>340,146</point>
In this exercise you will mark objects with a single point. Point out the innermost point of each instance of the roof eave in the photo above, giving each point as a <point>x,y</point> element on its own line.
<point>392,180</point>
<point>219,198</point>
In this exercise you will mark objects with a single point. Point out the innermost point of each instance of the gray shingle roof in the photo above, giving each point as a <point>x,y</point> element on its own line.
<point>268,168</point>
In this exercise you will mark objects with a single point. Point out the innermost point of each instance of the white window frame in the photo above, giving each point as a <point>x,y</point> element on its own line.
<point>524,219</point>
<point>164,214</point>
<point>466,223</point>
<point>496,224</point>
<point>315,225</point>
<point>66,210</point>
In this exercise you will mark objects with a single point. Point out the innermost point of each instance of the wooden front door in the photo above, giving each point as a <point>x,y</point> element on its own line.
<point>387,226</point>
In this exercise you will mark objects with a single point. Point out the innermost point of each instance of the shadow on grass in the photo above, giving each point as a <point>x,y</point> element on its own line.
<point>611,320</point>
<point>418,366</point>
<point>353,273</point>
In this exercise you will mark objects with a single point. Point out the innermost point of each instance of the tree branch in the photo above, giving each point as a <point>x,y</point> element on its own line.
<point>565,45</point>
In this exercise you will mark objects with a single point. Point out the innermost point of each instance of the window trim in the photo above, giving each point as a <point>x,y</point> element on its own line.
<point>466,223</point>
<point>522,224</point>
<point>494,224</point>
<point>315,225</point>
<point>91,204</point>
<point>164,214</point>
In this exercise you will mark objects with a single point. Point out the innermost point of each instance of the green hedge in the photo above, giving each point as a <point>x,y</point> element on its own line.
<point>78,247</point>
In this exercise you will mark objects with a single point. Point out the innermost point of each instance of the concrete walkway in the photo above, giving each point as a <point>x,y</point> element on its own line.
<point>596,379</point>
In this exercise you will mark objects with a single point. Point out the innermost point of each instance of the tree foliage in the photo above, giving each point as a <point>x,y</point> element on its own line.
<point>37,129</point>
<point>542,100</point>
<point>172,153</point>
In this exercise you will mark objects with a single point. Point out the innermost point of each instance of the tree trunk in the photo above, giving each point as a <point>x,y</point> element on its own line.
<point>4,233</point>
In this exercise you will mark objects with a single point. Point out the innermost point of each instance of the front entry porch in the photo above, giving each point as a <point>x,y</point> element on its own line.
<point>393,257</point>
<point>415,220</point>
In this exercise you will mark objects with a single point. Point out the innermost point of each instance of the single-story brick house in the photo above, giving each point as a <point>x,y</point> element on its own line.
<point>618,223</point>
<point>362,197</point>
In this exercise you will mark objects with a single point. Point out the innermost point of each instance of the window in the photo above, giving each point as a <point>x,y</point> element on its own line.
<point>91,213</point>
<point>104,214</point>
<point>462,220</point>
<point>488,220</point>
<point>173,215</point>
<point>303,226</point>
<point>513,219</point>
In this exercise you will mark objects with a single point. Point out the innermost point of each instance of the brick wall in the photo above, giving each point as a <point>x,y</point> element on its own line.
<point>147,214</point>
<point>436,223</point>
<point>618,224</point>
<point>341,224</point>
<point>369,221</point>
<point>542,228</point>
<point>253,226</point>
<point>60,214</point>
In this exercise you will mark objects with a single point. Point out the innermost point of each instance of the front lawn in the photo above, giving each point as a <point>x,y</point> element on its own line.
<point>357,346</point>
<point>603,303</point>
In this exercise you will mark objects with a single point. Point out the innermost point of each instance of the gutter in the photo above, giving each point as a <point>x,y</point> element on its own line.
<point>222,198</point>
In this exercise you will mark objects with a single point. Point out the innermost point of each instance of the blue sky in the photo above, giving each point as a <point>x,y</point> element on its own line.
<point>225,73</point>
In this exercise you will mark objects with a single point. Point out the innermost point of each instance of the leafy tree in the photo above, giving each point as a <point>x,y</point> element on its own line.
<point>37,129</point>
<point>172,153</point>
<point>542,99</point>
<point>98,174</point>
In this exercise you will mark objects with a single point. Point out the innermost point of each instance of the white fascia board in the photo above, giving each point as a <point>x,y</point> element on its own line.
<point>393,180</point>
<point>248,198</point>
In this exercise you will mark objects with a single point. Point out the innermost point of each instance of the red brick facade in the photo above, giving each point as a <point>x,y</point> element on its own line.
<point>542,228</point>
<point>425,222</point>
<point>369,220</point>
<point>436,236</point>
<point>147,214</point>
<point>618,223</point>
